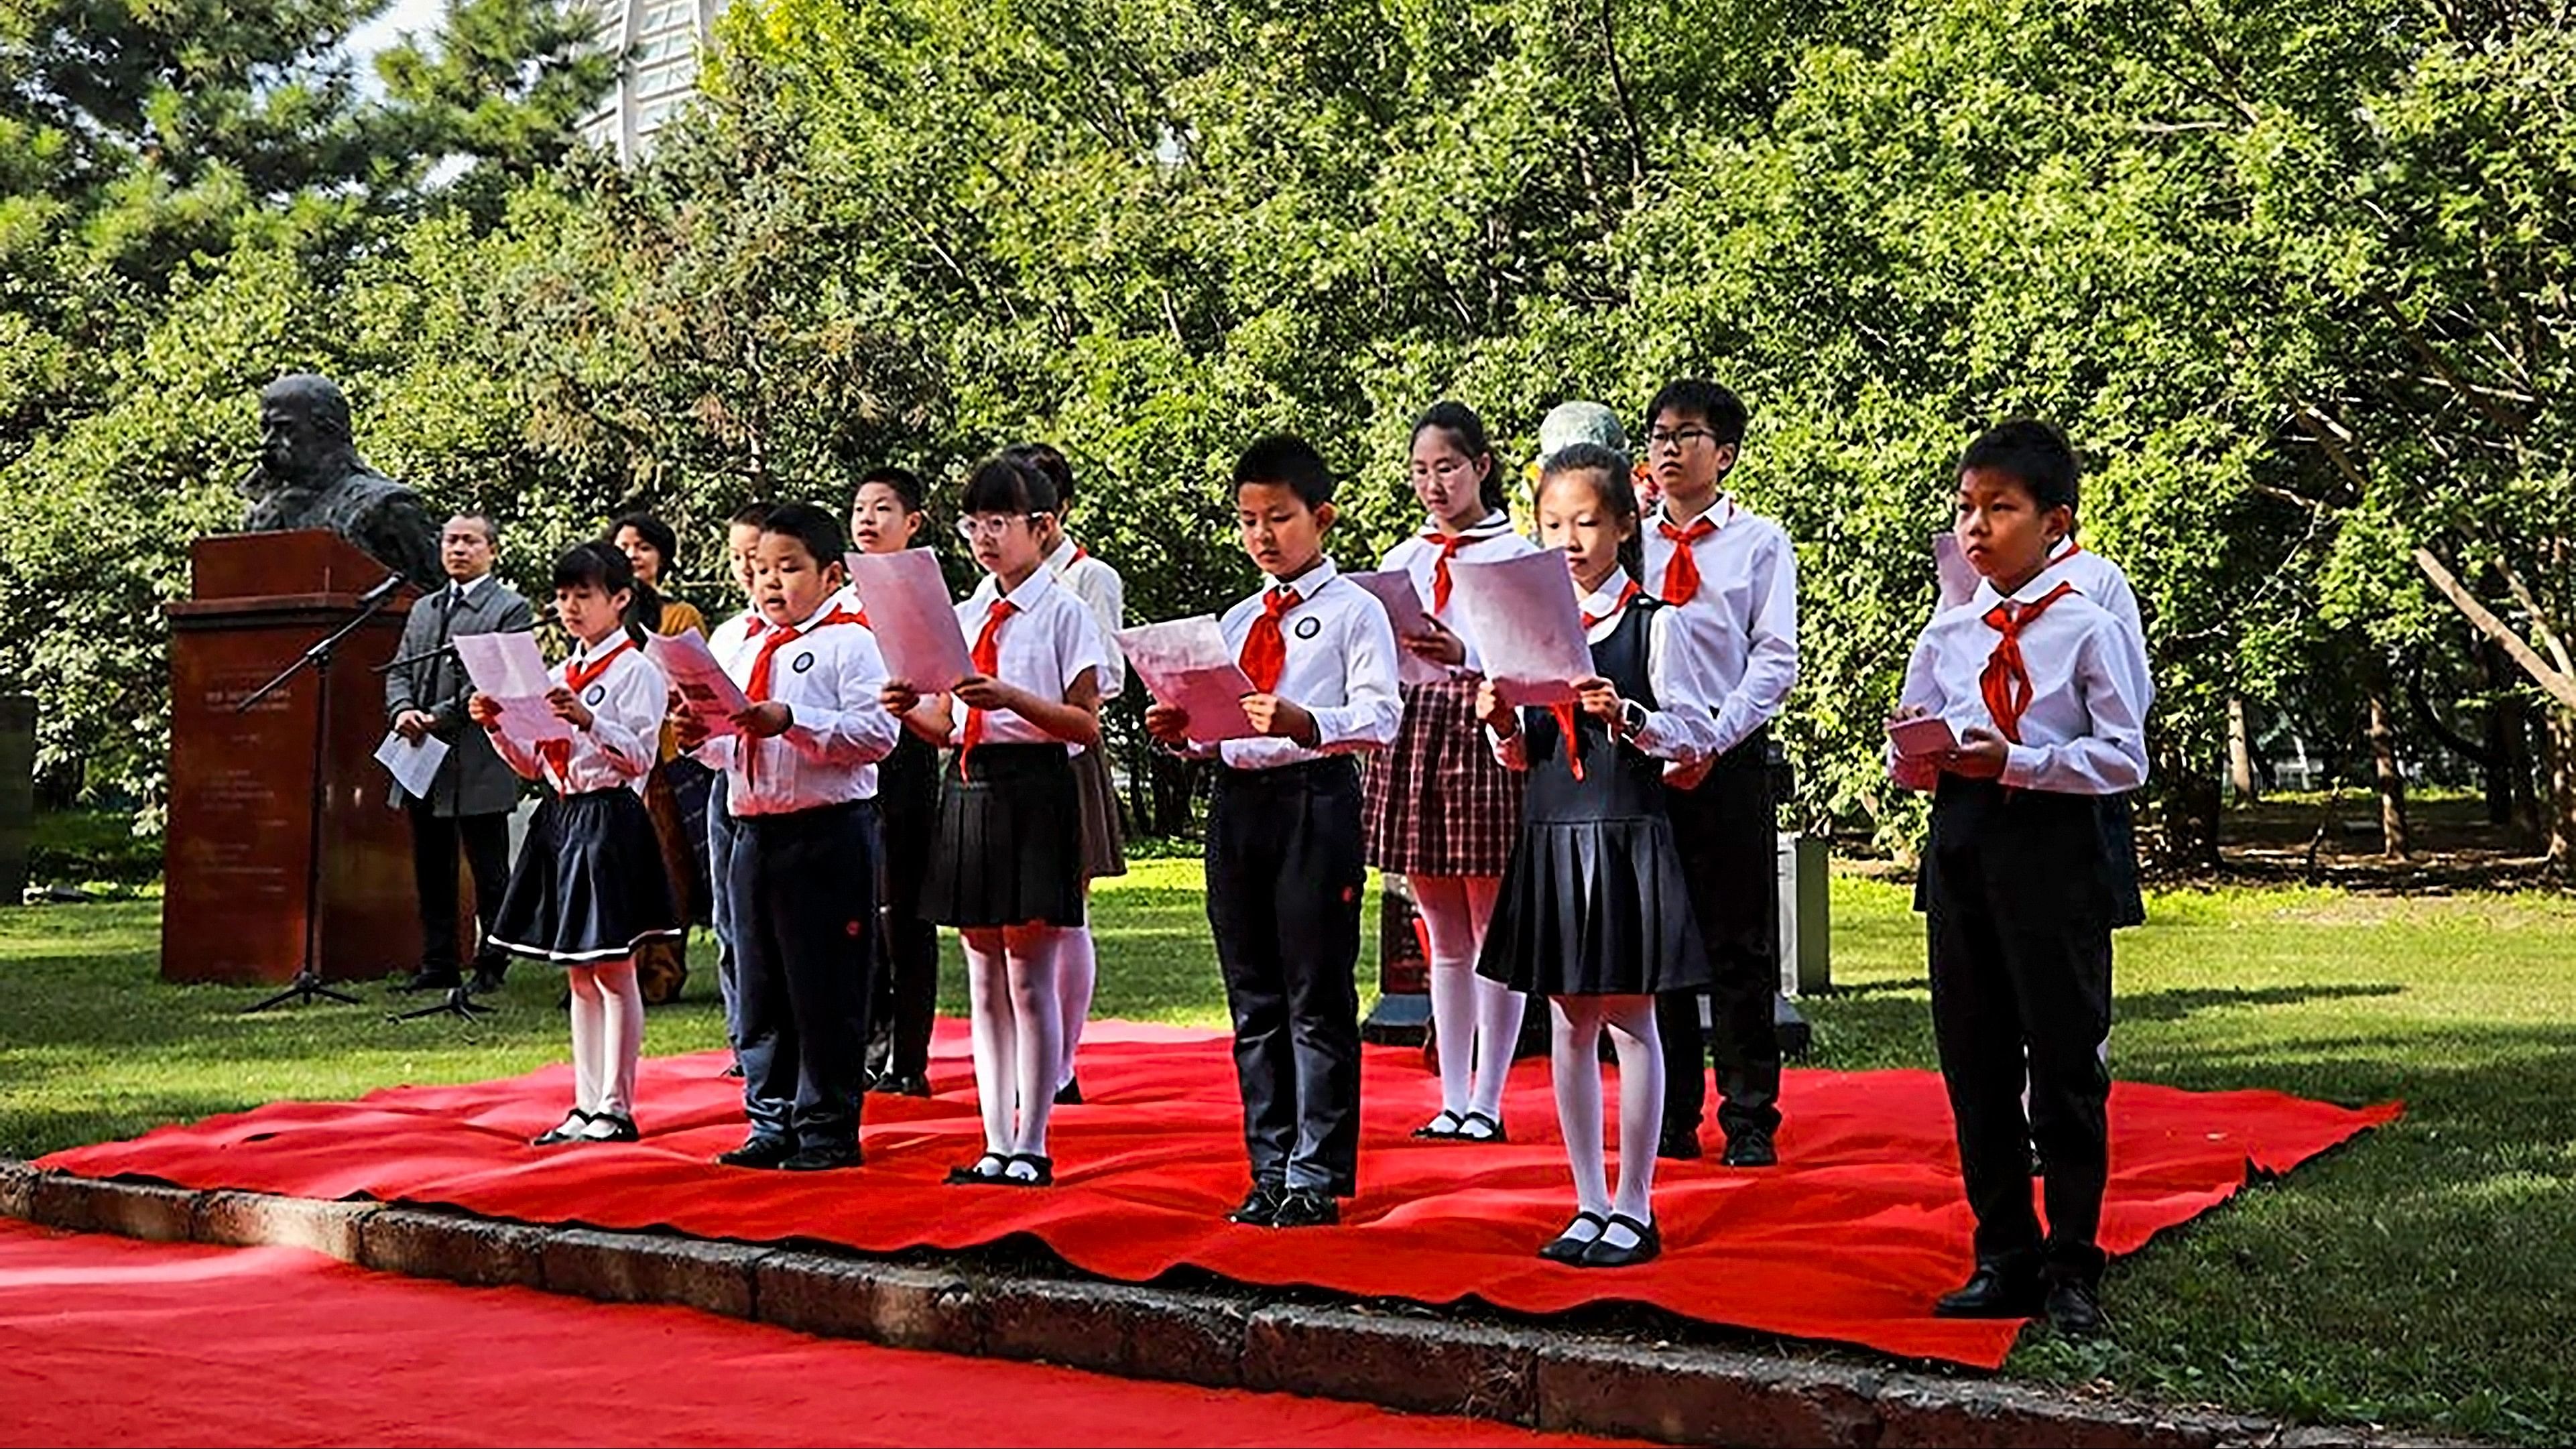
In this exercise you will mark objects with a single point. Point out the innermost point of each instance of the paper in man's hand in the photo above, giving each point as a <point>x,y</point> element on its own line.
<point>412,763</point>
<point>1186,665</point>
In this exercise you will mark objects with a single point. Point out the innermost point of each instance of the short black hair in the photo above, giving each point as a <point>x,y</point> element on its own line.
<point>655,532</point>
<point>1290,462</point>
<point>1608,468</point>
<point>1467,432</point>
<point>2033,452</point>
<point>491,528</point>
<point>754,514</point>
<point>905,483</point>
<point>1004,484</point>
<point>1723,411</point>
<point>1045,458</point>
<point>813,527</point>
<point>603,566</point>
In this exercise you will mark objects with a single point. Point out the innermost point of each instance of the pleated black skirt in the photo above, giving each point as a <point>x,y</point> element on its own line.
<point>1594,908</point>
<point>590,885</point>
<point>1009,846</point>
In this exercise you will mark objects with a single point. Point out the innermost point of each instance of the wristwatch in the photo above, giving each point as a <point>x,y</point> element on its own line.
<point>1632,719</point>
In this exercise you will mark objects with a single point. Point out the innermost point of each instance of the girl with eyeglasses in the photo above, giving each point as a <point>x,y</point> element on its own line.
<point>1006,863</point>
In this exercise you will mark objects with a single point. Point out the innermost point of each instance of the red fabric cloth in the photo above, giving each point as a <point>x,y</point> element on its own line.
<point>2005,681</point>
<point>109,1341</point>
<point>1850,1239</point>
<point>987,659</point>
<point>1265,647</point>
<point>1681,572</point>
<point>1442,581</point>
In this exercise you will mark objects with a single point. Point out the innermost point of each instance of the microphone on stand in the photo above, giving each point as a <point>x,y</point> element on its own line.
<point>381,592</point>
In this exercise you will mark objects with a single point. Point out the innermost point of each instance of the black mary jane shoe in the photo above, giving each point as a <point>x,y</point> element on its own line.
<point>1041,1171</point>
<point>1070,1094</point>
<point>1432,1131</point>
<point>974,1174</point>
<point>1600,1253</point>
<point>620,1129</point>
<point>1566,1247</point>
<point>567,1130</point>
<point>1491,1136</point>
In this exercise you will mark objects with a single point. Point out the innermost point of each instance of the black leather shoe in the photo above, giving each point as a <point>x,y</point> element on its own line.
<point>484,983</point>
<point>1070,1094</point>
<point>823,1159</point>
<point>1306,1207</point>
<point>428,980</point>
<point>1041,1171</point>
<point>975,1173</point>
<point>1601,1253</point>
<point>915,1085</point>
<point>567,1130</point>
<point>1568,1248</point>
<point>1751,1148</point>
<point>1679,1143</point>
<point>610,1127</point>
<point>1260,1207</point>
<point>1993,1291</point>
<point>733,1070</point>
<point>2074,1307</point>
<point>1491,1133</point>
<point>759,1151</point>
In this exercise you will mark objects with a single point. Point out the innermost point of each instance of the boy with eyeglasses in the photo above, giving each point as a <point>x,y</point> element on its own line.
<point>1732,579</point>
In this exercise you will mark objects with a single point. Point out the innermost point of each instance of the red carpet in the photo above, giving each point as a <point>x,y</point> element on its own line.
<point>107,1341</point>
<point>1851,1241</point>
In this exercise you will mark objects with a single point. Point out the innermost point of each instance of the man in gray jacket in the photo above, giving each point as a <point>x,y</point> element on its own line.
<point>471,798</point>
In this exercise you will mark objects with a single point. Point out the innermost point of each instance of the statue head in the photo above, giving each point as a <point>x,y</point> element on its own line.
<point>304,432</point>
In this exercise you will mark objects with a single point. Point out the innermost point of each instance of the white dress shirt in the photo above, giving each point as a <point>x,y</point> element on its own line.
<point>1339,667</point>
<point>830,677</point>
<point>626,703</point>
<point>2095,577</point>
<point>735,634</point>
<point>1739,634</point>
<point>1043,649</point>
<point>2084,731</point>
<point>1490,541</point>
<point>1101,591</point>
<point>1679,729</point>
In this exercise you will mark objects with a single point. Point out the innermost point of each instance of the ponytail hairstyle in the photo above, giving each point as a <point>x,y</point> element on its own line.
<point>1467,433</point>
<point>603,566</point>
<point>1606,469</point>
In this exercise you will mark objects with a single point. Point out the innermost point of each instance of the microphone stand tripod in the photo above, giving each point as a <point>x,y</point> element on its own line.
<point>307,983</point>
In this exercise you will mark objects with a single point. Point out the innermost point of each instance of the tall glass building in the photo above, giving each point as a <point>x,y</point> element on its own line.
<point>658,44</point>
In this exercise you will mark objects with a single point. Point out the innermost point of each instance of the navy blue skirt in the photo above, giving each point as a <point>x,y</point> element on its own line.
<point>590,884</point>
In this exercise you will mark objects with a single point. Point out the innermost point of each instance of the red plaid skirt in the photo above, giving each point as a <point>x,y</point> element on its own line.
<point>1437,802</point>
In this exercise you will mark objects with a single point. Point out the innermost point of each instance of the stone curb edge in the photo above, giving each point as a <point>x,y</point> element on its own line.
<point>1559,1382</point>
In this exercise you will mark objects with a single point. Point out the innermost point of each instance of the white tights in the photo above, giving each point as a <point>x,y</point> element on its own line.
<point>1018,1029</point>
<point>1575,1052</point>
<point>607,1036</point>
<point>1077,968</point>
<point>1475,1022</point>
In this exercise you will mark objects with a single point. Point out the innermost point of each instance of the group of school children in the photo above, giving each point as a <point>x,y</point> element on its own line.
<point>1613,855</point>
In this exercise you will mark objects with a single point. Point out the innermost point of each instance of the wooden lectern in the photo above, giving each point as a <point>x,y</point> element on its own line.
<point>242,782</point>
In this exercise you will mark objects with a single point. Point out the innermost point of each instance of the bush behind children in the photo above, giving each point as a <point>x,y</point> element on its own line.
<point>1612,856</point>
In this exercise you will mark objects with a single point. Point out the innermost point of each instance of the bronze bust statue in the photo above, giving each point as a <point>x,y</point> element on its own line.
<point>309,475</point>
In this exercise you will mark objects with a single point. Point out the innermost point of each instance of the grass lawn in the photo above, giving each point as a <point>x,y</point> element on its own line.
<point>2421,1277</point>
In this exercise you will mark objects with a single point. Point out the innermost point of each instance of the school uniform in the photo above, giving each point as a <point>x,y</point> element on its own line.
<point>1594,901</point>
<point>803,873</point>
<point>1732,578</point>
<point>1285,870</point>
<point>471,797</point>
<point>1009,843</point>
<point>2018,893</point>
<point>590,886</point>
<point>1437,804</point>
<point>1101,591</point>
<point>2100,580</point>
<point>727,640</point>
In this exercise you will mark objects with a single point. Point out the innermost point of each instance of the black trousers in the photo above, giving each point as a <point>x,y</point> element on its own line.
<point>1284,877</point>
<point>1726,830</point>
<point>2017,903</point>
<point>434,841</point>
<point>907,983</point>
<point>804,914</point>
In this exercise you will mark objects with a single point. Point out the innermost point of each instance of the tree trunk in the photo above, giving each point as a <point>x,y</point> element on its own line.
<point>2386,777</point>
<point>2240,752</point>
<point>2562,789</point>
<point>2184,792</point>
<point>2509,783</point>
